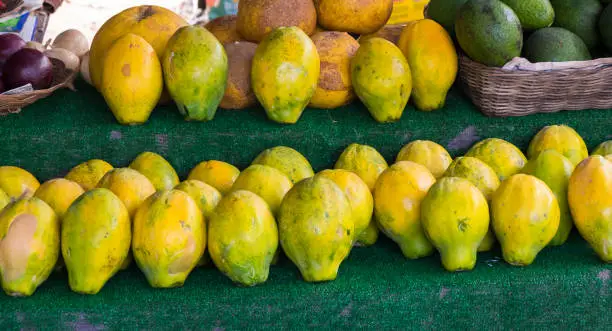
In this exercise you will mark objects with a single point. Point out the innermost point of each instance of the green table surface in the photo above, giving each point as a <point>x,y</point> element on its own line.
<point>566,288</point>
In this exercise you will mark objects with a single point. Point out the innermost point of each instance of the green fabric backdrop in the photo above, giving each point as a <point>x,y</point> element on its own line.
<point>567,287</point>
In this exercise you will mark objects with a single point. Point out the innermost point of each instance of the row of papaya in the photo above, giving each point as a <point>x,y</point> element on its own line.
<point>285,69</point>
<point>101,218</point>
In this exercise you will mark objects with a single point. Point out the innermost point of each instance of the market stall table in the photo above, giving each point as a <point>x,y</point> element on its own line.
<point>566,287</point>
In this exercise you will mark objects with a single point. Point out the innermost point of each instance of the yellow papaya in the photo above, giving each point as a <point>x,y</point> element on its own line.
<point>316,228</point>
<point>398,194</point>
<point>432,58</point>
<point>356,16</point>
<point>267,182</point>
<point>29,247</point>
<point>561,138</point>
<point>218,174</point>
<point>360,198</point>
<point>157,169</point>
<point>131,80</point>
<point>363,160</point>
<point>503,157</point>
<point>605,148</point>
<point>96,236</point>
<point>286,159</point>
<point>427,153</point>
<point>485,179</point>
<point>555,170</point>
<point>4,199</point>
<point>525,216</point>
<point>243,237</point>
<point>285,73</point>
<point>17,183</point>
<point>88,174</point>
<point>129,185</point>
<point>455,217</point>
<point>590,200</point>
<point>59,194</point>
<point>169,238</point>
<point>204,195</point>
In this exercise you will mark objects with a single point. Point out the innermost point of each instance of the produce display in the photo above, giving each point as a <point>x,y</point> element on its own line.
<point>104,217</point>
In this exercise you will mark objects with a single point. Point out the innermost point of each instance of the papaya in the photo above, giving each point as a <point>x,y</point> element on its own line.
<point>398,194</point>
<point>204,195</point>
<point>157,169</point>
<point>360,199</point>
<point>258,18</point>
<point>131,80</point>
<point>316,228</point>
<point>267,182</point>
<point>369,236</point>
<point>95,239</point>
<point>484,178</point>
<point>561,138</point>
<point>155,24</point>
<point>88,174</point>
<point>334,89</point>
<point>224,28</point>
<point>4,199</point>
<point>169,238</point>
<point>433,62</point>
<point>218,174</point>
<point>129,185</point>
<point>243,238</point>
<point>195,72</point>
<point>427,153</point>
<point>381,78</point>
<point>288,161</point>
<point>503,157</point>
<point>603,149</point>
<point>489,32</point>
<point>59,194</point>
<point>555,170</point>
<point>17,182</point>
<point>455,218</point>
<point>525,216</point>
<point>589,192</point>
<point>355,16</point>
<point>239,93</point>
<point>29,247</point>
<point>363,160</point>
<point>285,73</point>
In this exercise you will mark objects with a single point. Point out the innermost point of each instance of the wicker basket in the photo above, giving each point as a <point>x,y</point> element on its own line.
<point>62,77</point>
<point>523,88</point>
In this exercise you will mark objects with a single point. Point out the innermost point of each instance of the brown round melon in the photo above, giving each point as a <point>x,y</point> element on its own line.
<point>238,93</point>
<point>257,18</point>
<point>224,29</point>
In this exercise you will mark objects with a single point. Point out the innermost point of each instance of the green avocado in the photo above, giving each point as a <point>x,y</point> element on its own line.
<point>555,45</point>
<point>605,27</point>
<point>580,17</point>
<point>195,72</point>
<point>444,12</point>
<point>534,14</point>
<point>489,32</point>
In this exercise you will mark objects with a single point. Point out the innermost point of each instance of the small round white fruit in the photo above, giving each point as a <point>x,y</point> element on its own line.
<point>71,61</point>
<point>72,40</point>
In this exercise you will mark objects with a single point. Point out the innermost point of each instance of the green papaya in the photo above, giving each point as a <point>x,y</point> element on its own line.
<point>195,72</point>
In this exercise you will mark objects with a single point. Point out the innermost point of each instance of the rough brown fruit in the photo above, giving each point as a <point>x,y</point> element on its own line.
<point>257,18</point>
<point>239,93</point>
<point>224,29</point>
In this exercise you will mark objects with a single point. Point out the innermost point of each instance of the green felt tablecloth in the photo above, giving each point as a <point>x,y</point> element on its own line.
<point>566,288</point>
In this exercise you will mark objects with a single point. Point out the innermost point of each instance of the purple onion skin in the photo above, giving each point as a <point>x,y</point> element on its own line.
<point>28,66</point>
<point>9,44</point>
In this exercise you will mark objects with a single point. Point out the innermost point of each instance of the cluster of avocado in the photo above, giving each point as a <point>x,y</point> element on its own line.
<point>492,32</point>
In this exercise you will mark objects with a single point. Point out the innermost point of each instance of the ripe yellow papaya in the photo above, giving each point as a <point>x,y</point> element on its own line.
<point>17,183</point>
<point>157,169</point>
<point>88,174</point>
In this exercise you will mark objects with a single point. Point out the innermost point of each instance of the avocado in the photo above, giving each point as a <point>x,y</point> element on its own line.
<point>555,45</point>
<point>534,14</point>
<point>489,32</point>
<point>580,17</point>
<point>444,12</point>
<point>605,27</point>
